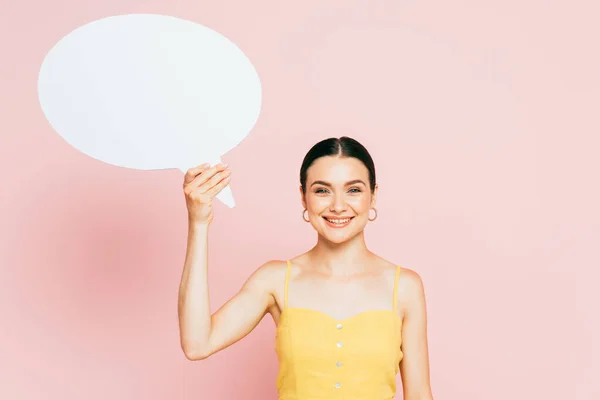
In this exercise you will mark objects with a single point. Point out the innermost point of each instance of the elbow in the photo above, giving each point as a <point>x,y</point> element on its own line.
<point>194,353</point>
<point>192,356</point>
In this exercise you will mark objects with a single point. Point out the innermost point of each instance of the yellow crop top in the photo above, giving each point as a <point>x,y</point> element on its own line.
<point>322,358</point>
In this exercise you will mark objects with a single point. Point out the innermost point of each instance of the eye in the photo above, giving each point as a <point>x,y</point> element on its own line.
<point>355,190</point>
<point>321,190</point>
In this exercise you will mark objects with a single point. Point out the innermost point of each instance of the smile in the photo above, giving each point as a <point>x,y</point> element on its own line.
<point>337,222</point>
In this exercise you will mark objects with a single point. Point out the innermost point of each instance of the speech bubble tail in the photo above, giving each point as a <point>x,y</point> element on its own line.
<point>225,196</point>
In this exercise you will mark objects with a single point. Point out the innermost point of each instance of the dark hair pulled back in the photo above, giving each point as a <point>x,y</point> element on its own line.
<point>342,147</point>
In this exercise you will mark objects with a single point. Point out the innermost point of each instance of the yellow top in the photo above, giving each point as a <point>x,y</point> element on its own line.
<point>322,358</point>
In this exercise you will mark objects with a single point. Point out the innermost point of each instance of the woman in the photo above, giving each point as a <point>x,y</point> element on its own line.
<point>347,320</point>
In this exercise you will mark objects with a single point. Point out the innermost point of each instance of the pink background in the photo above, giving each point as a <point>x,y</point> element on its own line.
<point>480,118</point>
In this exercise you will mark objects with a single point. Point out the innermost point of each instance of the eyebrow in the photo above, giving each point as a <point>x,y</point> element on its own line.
<point>355,181</point>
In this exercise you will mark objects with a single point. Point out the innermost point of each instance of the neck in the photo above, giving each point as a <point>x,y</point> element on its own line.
<point>341,259</point>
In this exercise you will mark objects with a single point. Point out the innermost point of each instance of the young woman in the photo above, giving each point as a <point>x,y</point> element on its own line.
<point>347,320</point>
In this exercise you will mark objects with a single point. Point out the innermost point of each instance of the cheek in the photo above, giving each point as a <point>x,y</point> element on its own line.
<point>360,204</point>
<point>316,204</point>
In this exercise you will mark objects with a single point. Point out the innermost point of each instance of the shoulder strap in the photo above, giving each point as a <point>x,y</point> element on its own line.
<point>287,281</point>
<point>396,288</point>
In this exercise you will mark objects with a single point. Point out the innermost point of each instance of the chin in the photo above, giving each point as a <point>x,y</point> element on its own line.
<point>336,240</point>
<point>338,237</point>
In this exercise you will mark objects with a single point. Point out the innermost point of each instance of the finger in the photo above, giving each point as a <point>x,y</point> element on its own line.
<point>205,176</point>
<point>214,180</point>
<point>219,186</point>
<point>194,171</point>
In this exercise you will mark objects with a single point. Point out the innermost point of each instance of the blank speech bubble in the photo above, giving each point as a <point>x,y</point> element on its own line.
<point>150,92</point>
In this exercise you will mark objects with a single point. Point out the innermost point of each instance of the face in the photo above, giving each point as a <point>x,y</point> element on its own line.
<point>338,197</point>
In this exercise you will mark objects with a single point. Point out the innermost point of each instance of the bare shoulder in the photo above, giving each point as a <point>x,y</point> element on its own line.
<point>409,280</point>
<point>267,276</point>
<point>410,284</point>
<point>411,291</point>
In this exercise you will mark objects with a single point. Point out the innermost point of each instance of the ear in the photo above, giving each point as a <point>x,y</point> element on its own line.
<point>374,198</point>
<point>302,199</point>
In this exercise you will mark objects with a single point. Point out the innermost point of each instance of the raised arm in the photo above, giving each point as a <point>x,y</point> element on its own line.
<point>201,333</point>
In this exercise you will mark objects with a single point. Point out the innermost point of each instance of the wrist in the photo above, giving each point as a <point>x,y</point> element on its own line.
<point>198,225</point>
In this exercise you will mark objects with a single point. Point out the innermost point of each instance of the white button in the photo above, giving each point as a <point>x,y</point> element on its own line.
<point>339,344</point>
<point>339,326</point>
<point>338,385</point>
<point>338,364</point>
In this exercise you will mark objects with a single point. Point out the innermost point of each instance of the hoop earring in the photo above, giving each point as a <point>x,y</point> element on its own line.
<point>306,220</point>
<point>374,209</point>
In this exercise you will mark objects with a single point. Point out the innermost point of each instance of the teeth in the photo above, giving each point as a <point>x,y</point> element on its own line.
<point>338,221</point>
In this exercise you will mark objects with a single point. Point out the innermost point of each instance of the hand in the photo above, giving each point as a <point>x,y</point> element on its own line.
<point>200,185</point>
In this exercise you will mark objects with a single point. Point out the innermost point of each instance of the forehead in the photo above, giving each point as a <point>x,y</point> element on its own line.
<point>334,169</point>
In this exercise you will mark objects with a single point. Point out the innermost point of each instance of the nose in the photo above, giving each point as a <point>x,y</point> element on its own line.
<point>338,204</point>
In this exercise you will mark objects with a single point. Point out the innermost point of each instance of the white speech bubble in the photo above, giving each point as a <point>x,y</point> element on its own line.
<point>150,92</point>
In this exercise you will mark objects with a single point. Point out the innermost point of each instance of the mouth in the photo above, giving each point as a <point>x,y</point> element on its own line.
<point>338,222</point>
